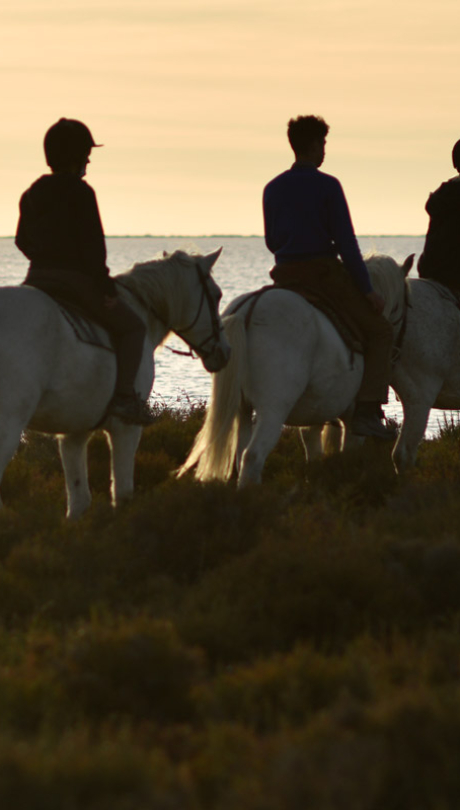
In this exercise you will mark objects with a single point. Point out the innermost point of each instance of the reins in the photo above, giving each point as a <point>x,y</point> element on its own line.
<point>453,296</point>
<point>216,326</point>
<point>255,295</point>
<point>397,345</point>
<point>444,292</point>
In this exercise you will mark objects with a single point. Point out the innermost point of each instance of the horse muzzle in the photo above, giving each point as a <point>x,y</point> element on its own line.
<point>218,359</point>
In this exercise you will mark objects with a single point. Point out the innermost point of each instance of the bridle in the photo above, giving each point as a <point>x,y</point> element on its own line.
<point>216,323</point>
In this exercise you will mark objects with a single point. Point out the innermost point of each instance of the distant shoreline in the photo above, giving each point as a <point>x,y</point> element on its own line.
<point>241,236</point>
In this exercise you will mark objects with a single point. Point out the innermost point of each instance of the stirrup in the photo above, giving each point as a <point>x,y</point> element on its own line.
<point>132,410</point>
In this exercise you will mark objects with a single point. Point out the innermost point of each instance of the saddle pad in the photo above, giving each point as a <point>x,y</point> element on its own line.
<point>85,329</point>
<point>349,332</point>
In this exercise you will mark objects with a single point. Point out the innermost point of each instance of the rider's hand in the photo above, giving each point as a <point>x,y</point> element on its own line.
<point>110,301</point>
<point>376,301</point>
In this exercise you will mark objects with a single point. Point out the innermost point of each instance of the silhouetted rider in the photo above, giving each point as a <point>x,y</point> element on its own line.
<point>60,231</point>
<point>307,226</point>
<point>440,259</point>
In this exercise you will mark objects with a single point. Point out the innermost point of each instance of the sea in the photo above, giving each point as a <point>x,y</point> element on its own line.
<point>243,265</point>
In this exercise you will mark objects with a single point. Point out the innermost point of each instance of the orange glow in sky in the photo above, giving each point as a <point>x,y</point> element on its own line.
<point>191,99</point>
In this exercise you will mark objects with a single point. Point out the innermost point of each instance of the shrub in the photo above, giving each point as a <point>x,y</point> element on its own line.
<point>135,668</point>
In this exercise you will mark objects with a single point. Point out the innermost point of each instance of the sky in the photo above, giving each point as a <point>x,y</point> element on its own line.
<point>191,99</point>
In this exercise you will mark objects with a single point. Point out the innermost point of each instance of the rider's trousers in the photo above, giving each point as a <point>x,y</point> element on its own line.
<point>326,276</point>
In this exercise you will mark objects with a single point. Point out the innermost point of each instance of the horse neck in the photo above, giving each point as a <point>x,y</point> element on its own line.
<point>388,281</point>
<point>155,332</point>
<point>156,291</point>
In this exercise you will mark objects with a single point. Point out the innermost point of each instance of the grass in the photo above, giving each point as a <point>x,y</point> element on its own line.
<point>292,645</point>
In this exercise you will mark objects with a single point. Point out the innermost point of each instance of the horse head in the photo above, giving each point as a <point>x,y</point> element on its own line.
<point>204,331</point>
<point>178,292</point>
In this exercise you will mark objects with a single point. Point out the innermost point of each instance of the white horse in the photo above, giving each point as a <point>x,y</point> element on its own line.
<point>52,382</point>
<point>289,366</point>
<point>427,374</point>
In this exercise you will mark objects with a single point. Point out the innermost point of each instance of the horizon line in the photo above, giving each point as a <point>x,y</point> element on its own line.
<point>233,236</point>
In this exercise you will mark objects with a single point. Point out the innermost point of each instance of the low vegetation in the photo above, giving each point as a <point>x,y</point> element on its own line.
<point>291,646</point>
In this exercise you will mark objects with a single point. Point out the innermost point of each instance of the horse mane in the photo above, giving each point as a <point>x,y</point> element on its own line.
<point>155,283</point>
<point>387,277</point>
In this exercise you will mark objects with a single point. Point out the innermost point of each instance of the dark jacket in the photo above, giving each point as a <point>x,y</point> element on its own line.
<point>306,215</point>
<point>60,229</point>
<point>440,259</point>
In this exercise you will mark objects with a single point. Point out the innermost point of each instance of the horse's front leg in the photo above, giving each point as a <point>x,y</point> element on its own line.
<point>417,402</point>
<point>123,440</point>
<point>72,448</point>
<point>404,453</point>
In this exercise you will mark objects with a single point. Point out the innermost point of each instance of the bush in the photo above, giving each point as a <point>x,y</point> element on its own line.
<point>291,645</point>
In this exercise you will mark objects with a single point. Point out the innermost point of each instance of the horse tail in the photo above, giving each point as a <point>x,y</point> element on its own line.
<point>215,446</point>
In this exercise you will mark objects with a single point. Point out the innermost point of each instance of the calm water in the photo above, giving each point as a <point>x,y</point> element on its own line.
<point>243,265</point>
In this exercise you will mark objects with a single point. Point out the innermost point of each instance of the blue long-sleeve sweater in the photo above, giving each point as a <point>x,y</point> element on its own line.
<point>306,215</point>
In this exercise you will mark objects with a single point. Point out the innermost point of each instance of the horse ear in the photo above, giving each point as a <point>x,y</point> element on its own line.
<point>408,263</point>
<point>208,261</point>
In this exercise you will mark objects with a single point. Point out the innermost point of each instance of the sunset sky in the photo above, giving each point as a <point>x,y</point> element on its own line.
<point>191,99</point>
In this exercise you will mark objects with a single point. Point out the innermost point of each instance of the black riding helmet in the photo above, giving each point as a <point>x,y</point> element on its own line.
<point>66,143</point>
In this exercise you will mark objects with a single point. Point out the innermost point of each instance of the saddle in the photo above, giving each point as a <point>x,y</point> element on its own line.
<point>85,329</point>
<point>448,293</point>
<point>347,329</point>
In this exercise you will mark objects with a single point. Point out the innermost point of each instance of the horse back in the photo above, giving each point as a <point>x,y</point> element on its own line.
<point>286,315</point>
<point>37,307</point>
<point>26,311</point>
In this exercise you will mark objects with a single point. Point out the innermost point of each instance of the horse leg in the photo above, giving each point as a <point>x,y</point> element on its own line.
<point>244,432</point>
<point>333,437</point>
<point>123,440</point>
<point>10,436</point>
<point>417,394</point>
<point>72,448</point>
<point>404,453</point>
<point>265,434</point>
<point>311,438</point>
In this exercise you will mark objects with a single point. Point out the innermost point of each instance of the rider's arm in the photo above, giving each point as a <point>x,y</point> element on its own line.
<point>268,224</point>
<point>22,240</point>
<point>91,239</point>
<point>341,228</point>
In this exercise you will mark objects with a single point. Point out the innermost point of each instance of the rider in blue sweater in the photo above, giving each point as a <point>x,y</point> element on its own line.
<point>307,227</point>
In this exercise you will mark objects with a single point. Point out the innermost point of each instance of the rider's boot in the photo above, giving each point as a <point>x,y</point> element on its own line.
<point>132,409</point>
<point>367,421</point>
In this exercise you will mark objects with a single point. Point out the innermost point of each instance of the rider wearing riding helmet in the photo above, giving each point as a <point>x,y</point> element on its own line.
<point>307,227</point>
<point>440,259</point>
<point>60,232</point>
